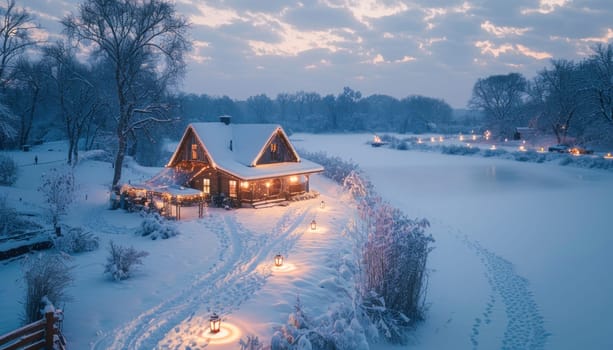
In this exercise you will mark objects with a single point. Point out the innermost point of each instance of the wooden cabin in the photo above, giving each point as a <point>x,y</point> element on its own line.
<point>247,164</point>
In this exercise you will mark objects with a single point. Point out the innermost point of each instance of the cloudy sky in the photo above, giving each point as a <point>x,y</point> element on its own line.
<point>436,48</point>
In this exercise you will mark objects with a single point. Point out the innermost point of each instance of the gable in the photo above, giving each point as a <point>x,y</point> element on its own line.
<point>277,150</point>
<point>190,149</point>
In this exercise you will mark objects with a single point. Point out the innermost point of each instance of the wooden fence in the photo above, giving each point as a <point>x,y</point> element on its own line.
<point>42,334</point>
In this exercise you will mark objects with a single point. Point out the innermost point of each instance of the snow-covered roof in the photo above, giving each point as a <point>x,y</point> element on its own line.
<point>235,149</point>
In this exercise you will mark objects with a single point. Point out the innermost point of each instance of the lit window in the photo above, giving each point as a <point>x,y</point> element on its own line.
<point>206,186</point>
<point>273,151</point>
<point>194,151</point>
<point>232,188</point>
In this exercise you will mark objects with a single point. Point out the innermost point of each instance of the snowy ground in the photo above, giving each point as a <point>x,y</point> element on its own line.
<point>521,255</point>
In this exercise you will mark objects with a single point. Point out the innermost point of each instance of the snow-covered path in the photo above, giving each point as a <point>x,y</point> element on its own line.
<point>243,265</point>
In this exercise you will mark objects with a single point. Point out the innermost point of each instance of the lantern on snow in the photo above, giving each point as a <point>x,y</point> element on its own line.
<point>322,204</point>
<point>214,323</point>
<point>313,225</point>
<point>278,260</point>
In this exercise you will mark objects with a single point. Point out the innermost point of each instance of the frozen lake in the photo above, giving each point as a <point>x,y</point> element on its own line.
<point>522,251</point>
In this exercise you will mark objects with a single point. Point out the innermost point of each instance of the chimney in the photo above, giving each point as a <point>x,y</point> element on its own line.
<point>225,119</point>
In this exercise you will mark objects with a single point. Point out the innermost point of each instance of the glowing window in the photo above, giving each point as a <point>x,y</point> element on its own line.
<point>232,188</point>
<point>194,151</point>
<point>206,186</point>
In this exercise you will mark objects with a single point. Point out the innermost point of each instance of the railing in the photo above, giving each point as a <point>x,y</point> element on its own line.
<point>42,334</point>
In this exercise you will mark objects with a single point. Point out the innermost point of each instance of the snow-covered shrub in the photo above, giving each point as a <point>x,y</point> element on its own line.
<point>394,265</point>
<point>459,150</point>
<point>46,275</point>
<point>251,343</point>
<point>494,152</point>
<point>155,226</point>
<point>402,146</point>
<point>8,170</point>
<point>76,240</point>
<point>122,260</point>
<point>57,188</point>
<point>336,329</point>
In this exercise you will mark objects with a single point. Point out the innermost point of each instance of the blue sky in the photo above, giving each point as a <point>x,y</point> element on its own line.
<point>436,48</point>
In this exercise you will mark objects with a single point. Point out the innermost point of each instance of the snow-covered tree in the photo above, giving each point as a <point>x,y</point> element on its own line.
<point>46,275</point>
<point>57,188</point>
<point>144,42</point>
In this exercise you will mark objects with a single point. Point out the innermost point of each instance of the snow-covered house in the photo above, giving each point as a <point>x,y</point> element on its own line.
<point>248,163</point>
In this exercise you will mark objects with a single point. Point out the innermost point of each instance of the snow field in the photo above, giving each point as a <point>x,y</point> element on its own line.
<point>521,258</point>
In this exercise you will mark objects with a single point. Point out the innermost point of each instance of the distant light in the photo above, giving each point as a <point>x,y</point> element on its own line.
<point>522,148</point>
<point>293,179</point>
<point>493,148</point>
<point>474,137</point>
<point>608,156</point>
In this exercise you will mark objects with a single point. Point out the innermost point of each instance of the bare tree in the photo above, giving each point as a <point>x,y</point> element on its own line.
<point>15,27</point>
<point>26,90</point>
<point>601,82</point>
<point>499,97</point>
<point>76,93</point>
<point>144,41</point>
<point>561,93</point>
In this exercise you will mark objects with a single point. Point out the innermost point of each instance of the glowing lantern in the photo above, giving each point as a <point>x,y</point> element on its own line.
<point>487,134</point>
<point>541,150</point>
<point>461,137</point>
<point>522,148</point>
<point>278,260</point>
<point>474,137</point>
<point>432,139</point>
<point>419,140</point>
<point>322,204</point>
<point>313,225</point>
<point>440,139</point>
<point>268,184</point>
<point>245,184</point>
<point>293,179</point>
<point>608,156</point>
<point>215,323</point>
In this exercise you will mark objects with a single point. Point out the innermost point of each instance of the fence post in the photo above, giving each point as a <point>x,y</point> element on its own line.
<point>49,328</point>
